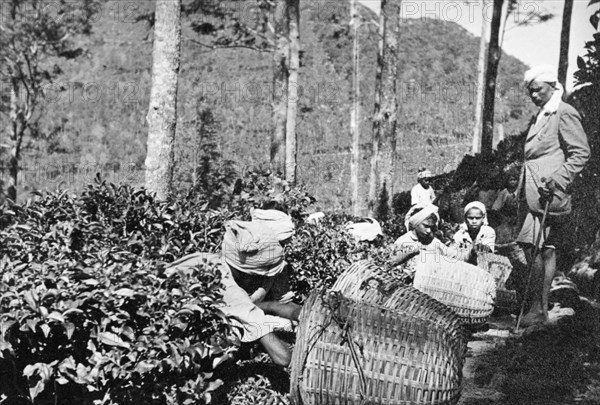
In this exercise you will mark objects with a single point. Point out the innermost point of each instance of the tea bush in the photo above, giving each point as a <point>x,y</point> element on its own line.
<point>319,253</point>
<point>87,314</point>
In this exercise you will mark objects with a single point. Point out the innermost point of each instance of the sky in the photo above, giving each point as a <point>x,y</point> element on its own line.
<point>534,44</point>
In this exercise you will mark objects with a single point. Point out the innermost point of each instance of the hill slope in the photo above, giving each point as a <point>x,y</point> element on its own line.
<point>100,116</point>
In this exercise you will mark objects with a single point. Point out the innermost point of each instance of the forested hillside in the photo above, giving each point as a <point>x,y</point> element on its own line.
<point>94,117</point>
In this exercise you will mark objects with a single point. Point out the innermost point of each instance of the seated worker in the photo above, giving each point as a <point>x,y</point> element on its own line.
<point>254,296</point>
<point>475,234</point>
<point>422,193</point>
<point>419,242</point>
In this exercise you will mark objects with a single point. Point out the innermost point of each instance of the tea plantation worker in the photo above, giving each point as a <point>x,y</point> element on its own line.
<point>556,149</point>
<point>251,258</point>
<point>282,226</point>
<point>504,209</point>
<point>474,234</point>
<point>419,243</point>
<point>255,257</point>
<point>422,193</point>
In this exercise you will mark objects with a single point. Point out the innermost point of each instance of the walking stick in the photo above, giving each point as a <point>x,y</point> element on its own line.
<point>531,262</point>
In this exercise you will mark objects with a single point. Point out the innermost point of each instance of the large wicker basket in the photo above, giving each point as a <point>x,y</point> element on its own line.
<point>468,290</point>
<point>364,281</point>
<point>354,352</point>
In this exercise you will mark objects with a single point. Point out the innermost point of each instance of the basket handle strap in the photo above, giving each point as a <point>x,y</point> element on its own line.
<point>362,387</point>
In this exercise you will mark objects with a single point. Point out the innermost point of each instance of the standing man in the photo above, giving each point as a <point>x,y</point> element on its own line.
<point>422,193</point>
<point>556,150</point>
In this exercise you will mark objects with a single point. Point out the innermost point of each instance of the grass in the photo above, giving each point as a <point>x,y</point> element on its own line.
<point>557,365</point>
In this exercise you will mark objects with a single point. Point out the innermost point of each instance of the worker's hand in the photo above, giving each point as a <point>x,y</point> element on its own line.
<point>548,191</point>
<point>413,249</point>
<point>481,248</point>
<point>552,185</point>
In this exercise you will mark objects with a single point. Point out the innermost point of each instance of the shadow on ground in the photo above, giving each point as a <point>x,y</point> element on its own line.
<point>546,366</point>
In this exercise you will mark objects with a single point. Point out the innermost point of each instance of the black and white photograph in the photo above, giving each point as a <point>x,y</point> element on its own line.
<point>299,202</point>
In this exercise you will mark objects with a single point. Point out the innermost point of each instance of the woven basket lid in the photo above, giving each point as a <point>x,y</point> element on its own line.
<point>468,290</point>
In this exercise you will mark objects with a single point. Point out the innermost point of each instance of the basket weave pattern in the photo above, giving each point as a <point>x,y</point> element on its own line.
<point>500,268</point>
<point>388,343</point>
<point>358,283</point>
<point>468,290</point>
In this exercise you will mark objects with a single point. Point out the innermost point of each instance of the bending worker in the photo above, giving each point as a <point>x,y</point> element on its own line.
<point>556,150</point>
<point>256,294</point>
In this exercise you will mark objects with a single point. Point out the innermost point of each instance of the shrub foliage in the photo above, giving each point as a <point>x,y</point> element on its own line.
<point>88,313</point>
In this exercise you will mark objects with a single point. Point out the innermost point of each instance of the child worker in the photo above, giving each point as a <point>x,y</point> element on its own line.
<point>474,235</point>
<point>420,243</point>
<point>422,193</point>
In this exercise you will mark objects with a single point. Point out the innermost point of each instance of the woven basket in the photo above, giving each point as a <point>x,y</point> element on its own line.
<point>363,280</point>
<point>468,290</point>
<point>366,282</point>
<point>500,268</point>
<point>354,352</point>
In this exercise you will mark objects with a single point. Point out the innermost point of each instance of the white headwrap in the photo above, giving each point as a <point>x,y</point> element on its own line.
<point>547,74</point>
<point>480,206</point>
<point>411,220</point>
<point>365,231</point>
<point>251,249</point>
<point>541,73</point>
<point>424,174</point>
<point>278,222</point>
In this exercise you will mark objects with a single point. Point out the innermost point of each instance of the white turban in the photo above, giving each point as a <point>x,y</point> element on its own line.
<point>480,206</point>
<point>278,222</point>
<point>424,174</point>
<point>541,73</point>
<point>365,231</point>
<point>247,247</point>
<point>412,219</point>
<point>547,74</point>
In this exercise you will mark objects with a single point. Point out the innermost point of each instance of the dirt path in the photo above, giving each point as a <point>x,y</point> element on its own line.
<point>557,364</point>
<point>478,389</point>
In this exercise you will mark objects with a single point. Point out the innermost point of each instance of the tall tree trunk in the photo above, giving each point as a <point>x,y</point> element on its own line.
<point>377,113</point>
<point>16,132</point>
<point>476,146</point>
<point>280,86</point>
<point>293,17</point>
<point>563,62</point>
<point>395,60</point>
<point>494,53</point>
<point>385,121</point>
<point>162,114</point>
<point>355,110</point>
